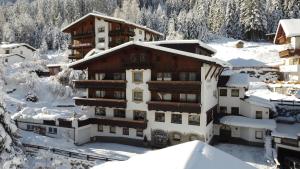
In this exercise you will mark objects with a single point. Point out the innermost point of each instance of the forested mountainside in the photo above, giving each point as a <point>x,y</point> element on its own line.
<point>38,22</point>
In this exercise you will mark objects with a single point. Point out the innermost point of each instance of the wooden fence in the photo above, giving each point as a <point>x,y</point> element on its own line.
<point>70,154</point>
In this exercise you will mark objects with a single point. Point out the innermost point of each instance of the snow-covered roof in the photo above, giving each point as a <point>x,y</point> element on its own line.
<point>147,45</point>
<point>287,131</point>
<point>184,42</point>
<point>12,54</point>
<point>56,65</point>
<point>249,122</point>
<point>105,17</point>
<point>190,155</point>
<point>15,45</point>
<point>238,80</point>
<point>291,27</point>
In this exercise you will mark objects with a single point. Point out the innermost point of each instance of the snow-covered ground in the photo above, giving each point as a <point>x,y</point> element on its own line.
<point>253,53</point>
<point>254,156</point>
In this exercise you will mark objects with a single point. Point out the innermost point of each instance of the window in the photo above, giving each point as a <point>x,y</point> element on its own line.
<point>258,114</point>
<point>119,113</point>
<point>112,129</point>
<point>139,115</point>
<point>235,110</point>
<point>6,51</point>
<point>100,93</point>
<point>176,118</point>
<point>100,40</point>
<point>140,32</point>
<point>223,92</point>
<point>188,97</point>
<point>177,137</point>
<point>125,131</point>
<point>100,111</point>
<point>21,52</point>
<point>100,128</point>
<point>165,96</point>
<point>52,130</point>
<point>119,76</point>
<point>235,93</point>
<point>138,96</point>
<point>159,117</point>
<point>138,77</point>
<point>119,94</point>
<point>30,127</point>
<point>99,76</point>
<point>187,76</point>
<point>258,134</point>
<point>101,29</point>
<point>139,132</point>
<point>194,119</point>
<point>223,109</point>
<point>164,76</point>
<point>6,60</point>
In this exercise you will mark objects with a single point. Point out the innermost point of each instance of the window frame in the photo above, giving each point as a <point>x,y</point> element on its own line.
<point>52,130</point>
<point>173,120</point>
<point>156,117</point>
<point>142,114</point>
<point>262,135</point>
<point>237,108</point>
<point>236,90</point>
<point>100,128</point>
<point>100,110</point>
<point>225,108</point>
<point>223,94</point>
<point>134,92</point>
<point>134,80</point>
<point>139,132</point>
<point>261,114</point>
<point>117,113</point>
<point>125,131</point>
<point>112,129</point>
<point>193,122</point>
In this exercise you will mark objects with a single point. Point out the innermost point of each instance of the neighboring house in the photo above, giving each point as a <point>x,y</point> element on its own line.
<point>288,34</point>
<point>54,69</point>
<point>20,49</point>
<point>9,59</point>
<point>140,92</point>
<point>101,32</point>
<point>240,120</point>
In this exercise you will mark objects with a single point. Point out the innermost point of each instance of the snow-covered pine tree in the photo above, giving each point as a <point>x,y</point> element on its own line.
<point>11,154</point>
<point>275,13</point>
<point>253,19</point>
<point>232,26</point>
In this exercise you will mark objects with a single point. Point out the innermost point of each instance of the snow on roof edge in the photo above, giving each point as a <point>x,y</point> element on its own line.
<point>111,18</point>
<point>147,45</point>
<point>13,45</point>
<point>185,42</point>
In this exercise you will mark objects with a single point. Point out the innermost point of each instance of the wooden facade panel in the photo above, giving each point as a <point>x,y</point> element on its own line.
<point>117,103</point>
<point>175,86</point>
<point>101,84</point>
<point>114,122</point>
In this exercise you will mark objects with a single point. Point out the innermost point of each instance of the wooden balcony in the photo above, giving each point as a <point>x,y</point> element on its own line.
<point>174,106</point>
<point>289,53</point>
<point>121,32</point>
<point>83,35</point>
<point>117,103</point>
<point>82,45</point>
<point>175,86</point>
<point>121,122</point>
<point>116,43</point>
<point>101,84</point>
<point>75,56</point>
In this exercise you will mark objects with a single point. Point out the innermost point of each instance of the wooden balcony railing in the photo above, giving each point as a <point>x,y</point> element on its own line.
<point>121,32</point>
<point>175,86</point>
<point>117,103</point>
<point>289,53</point>
<point>121,122</point>
<point>174,106</point>
<point>75,56</point>
<point>101,84</point>
<point>83,35</point>
<point>82,45</point>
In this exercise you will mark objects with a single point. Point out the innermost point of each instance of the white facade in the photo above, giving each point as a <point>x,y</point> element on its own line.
<point>101,24</point>
<point>23,50</point>
<point>246,109</point>
<point>11,59</point>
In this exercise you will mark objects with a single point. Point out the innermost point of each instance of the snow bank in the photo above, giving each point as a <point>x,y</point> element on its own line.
<point>45,113</point>
<point>248,122</point>
<point>190,155</point>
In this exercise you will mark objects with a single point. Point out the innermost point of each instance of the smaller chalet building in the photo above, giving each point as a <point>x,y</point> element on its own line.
<point>101,32</point>
<point>288,35</point>
<point>16,52</point>
<point>149,93</point>
<point>239,119</point>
